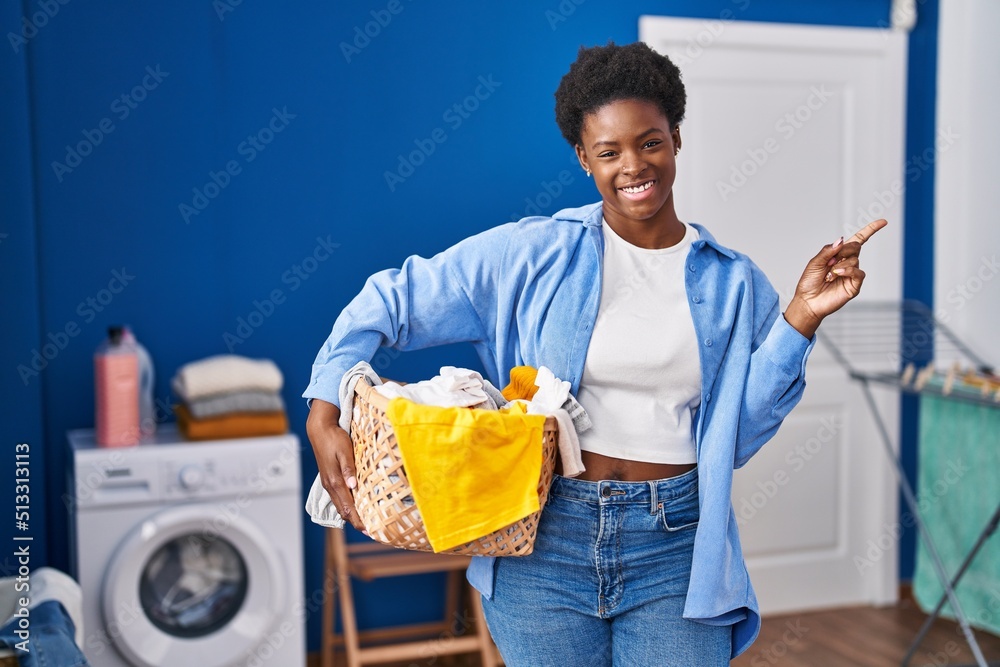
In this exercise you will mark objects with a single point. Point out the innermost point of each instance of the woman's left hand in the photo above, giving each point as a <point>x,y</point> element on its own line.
<point>831,279</point>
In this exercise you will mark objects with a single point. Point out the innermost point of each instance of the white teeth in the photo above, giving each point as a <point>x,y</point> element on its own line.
<point>644,186</point>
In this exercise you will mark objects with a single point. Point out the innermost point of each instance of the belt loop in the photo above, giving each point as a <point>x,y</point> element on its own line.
<point>652,496</point>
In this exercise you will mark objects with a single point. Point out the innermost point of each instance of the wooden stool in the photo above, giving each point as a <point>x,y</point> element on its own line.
<point>371,560</point>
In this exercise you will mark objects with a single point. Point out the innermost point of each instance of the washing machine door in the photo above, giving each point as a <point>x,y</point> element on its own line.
<point>193,585</point>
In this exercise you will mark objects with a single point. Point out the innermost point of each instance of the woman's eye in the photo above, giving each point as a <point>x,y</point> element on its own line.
<point>653,142</point>
<point>606,154</point>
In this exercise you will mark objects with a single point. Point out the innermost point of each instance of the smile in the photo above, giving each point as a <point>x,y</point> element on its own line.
<point>639,191</point>
<point>638,188</point>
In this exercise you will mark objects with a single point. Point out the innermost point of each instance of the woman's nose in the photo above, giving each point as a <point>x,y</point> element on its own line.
<point>632,164</point>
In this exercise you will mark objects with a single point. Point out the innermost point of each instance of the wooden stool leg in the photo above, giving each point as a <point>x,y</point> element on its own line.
<point>452,603</point>
<point>487,650</point>
<point>352,642</point>
<point>329,610</point>
<point>452,600</point>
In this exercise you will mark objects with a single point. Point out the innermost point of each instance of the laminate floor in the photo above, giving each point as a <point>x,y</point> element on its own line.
<point>862,637</point>
<point>848,637</point>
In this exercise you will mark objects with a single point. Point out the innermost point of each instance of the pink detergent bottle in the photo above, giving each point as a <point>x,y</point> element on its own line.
<point>116,390</point>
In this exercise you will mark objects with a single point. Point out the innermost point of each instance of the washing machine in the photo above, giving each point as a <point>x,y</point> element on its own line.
<point>189,553</point>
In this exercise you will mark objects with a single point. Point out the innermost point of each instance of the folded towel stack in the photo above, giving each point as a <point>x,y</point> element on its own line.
<point>229,396</point>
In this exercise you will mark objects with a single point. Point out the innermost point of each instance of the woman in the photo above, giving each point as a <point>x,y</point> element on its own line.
<point>675,345</point>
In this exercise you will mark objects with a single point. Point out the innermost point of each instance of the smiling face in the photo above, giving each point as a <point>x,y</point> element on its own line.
<point>630,148</point>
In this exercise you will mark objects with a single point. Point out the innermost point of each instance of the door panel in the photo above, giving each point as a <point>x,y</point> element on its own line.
<point>793,136</point>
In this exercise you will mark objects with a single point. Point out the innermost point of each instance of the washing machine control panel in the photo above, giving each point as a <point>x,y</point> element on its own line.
<point>240,474</point>
<point>191,477</point>
<point>172,470</point>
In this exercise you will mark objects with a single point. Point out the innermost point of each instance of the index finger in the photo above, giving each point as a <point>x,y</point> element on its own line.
<point>868,231</point>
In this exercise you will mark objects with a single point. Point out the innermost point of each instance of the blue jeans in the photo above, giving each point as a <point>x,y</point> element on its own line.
<point>607,581</point>
<point>50,638</point>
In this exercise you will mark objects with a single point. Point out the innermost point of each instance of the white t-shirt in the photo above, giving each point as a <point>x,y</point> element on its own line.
<point>641,380</point>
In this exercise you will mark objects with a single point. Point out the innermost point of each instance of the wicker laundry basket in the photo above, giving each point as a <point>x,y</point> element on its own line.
<point>385,503</point>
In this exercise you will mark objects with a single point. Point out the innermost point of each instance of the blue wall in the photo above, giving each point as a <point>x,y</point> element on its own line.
<point>199,79</point>
<point>918,239</point>
<point>21,413</point>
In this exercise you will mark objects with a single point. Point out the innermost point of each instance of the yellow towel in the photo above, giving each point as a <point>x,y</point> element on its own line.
<point>522,383</point>
<point>471,471</point>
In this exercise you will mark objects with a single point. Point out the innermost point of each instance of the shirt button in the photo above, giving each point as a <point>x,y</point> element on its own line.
<point>708,398</point>
<point>696,299</point>
<point>691,267</point>
<point>708,342</point>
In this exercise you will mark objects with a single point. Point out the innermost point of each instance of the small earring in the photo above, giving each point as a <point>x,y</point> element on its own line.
<point>676,152</point>
<point>588,173</point>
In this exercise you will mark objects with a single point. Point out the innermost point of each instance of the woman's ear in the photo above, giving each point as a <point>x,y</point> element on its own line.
<point>676,136</point>
<point>581,155</point>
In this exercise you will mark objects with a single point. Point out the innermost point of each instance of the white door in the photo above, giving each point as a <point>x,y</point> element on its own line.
<point>794,136</point>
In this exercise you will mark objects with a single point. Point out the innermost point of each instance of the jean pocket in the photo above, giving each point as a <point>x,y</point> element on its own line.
<point>680,513</point>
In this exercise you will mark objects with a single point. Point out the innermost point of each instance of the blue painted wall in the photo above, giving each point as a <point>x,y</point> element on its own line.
<point>207,155</point>
<point>918,237</point>
<point>21,407</point>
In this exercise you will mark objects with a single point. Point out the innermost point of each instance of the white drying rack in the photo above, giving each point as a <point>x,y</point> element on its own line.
<point>885,343</point>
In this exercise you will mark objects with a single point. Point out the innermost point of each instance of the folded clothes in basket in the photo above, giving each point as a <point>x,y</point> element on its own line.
<point>453,387</point>
<point>553,399</point>
<point>545,394</point>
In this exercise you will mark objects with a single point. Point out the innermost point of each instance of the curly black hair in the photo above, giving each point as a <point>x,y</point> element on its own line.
<point>603,74</point>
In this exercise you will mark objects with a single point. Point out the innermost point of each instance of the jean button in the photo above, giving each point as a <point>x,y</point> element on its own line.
<point>606,492</point>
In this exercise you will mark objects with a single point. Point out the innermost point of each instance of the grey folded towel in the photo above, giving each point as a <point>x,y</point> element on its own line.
<point>241,401</point>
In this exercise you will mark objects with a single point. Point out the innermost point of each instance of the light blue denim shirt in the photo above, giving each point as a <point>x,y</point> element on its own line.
<point>528,292</point>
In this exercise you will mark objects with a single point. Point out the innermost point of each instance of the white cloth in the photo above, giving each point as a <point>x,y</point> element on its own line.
<point>452,388</point>
<point>641,379</point>
<point>319,505</point>
<point>362,369</point>
<point>550,399</point>
<point>225,373</point>
<point>45,584</point>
